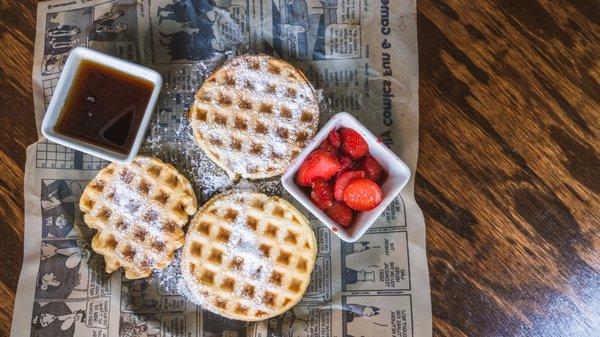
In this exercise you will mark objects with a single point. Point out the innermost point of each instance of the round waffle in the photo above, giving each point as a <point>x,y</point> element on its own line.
<point>248,256</point>
<point>253,115</point>
<point>138,210</point>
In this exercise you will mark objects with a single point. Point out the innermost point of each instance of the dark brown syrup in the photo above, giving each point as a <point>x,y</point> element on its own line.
<point>104,107</point>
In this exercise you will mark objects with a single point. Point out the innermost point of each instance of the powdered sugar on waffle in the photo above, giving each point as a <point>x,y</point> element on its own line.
<point>134,208</point>
<point>243,243</point>
<point>229,109</point>
<point>256,267</point>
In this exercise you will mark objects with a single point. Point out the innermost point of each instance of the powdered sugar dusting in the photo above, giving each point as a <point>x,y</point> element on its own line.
<point>243,245</point>
<point>133,211</point>
<point>169,136</point>
<point>258,266</point>
<point>254,115</point>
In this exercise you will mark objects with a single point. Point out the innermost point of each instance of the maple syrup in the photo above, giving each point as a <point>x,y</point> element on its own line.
<point>104,107</point>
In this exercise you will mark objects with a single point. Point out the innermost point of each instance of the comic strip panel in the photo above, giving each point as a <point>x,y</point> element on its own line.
<point>394,216</point>
<point>185,31</point>
<point>387,269</point>
<point>68,271</point>
<point>61,217</point>
<point>134,325</point>
<point>149,296</point>
<point>301,321</point>
<point>64,319</point>
<point>154,324</point>
<point>77,304</point>
<point>114,30</point>
<point>371,315</point>
<point>154,306</point>
<point>64,31</point>
<point>319,288</point>
<point>315,29</point>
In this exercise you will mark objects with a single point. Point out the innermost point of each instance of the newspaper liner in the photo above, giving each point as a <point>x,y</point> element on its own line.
<point>363,56</point>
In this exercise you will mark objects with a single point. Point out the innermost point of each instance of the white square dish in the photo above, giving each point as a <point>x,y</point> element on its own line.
<point>397,171</point>
<point>62,90</point>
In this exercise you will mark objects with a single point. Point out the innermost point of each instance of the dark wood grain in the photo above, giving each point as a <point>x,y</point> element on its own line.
<point>508,168</point>
<point>17,131</point>
<point>509,162</point>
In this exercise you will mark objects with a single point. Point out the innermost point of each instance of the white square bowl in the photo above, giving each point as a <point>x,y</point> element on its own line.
<point>398,175</point>
<point>62,90</point>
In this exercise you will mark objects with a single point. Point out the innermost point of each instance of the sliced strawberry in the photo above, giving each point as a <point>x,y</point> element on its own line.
<point>362,195</point>
<point>371,167</point>
<point>353,144</point>
<point>321,193</point>
<point>342,182</point>
<point>327,147</point>
<point>319,164</point>
<point>333,138</point>
<point>340,213</point>
<point>345,164</point>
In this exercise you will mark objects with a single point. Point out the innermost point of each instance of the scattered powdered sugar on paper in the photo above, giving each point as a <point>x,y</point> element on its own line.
<point>168,278</point>
<point>268,187</point>
<point>183,153</point>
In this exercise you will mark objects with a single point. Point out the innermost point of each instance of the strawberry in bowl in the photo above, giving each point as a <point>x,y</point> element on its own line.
<point>343,170</point>
<point>346,177</point>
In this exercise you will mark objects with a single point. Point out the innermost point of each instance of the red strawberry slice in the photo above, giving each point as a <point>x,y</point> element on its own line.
<point>333,138</point>
<point>327,147</point>
<point>362,195</point>
<point>319,164</point>
<point>342,182</point>
<point>332,142</point>
<point>345,164</point>
<point>353,144</point>
<point>371,167</point>
<point>340,213</point>
<point>321,193</point>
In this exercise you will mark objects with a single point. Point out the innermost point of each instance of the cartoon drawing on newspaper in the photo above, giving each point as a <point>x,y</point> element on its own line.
<point>185,30</point>
<point>56,319</point>
<point>60,210</point>
<point>136,297</point>
<point>350,248</point>
<point>388,252</point>
<point>316,30</point>
<point>368,315</point>
<point>63,271</point>
<point>114,30</point>
<point>70,291</point>
<point>64,31</point>
<point>133,325</point>
<point>301,321</point>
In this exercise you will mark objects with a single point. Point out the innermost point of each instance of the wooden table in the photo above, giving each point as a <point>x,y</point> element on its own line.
<point>509,163</point>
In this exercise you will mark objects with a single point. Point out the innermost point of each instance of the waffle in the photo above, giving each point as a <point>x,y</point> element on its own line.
<point>138,210</point>
<point>248,256</point>
<point>254,115</point>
